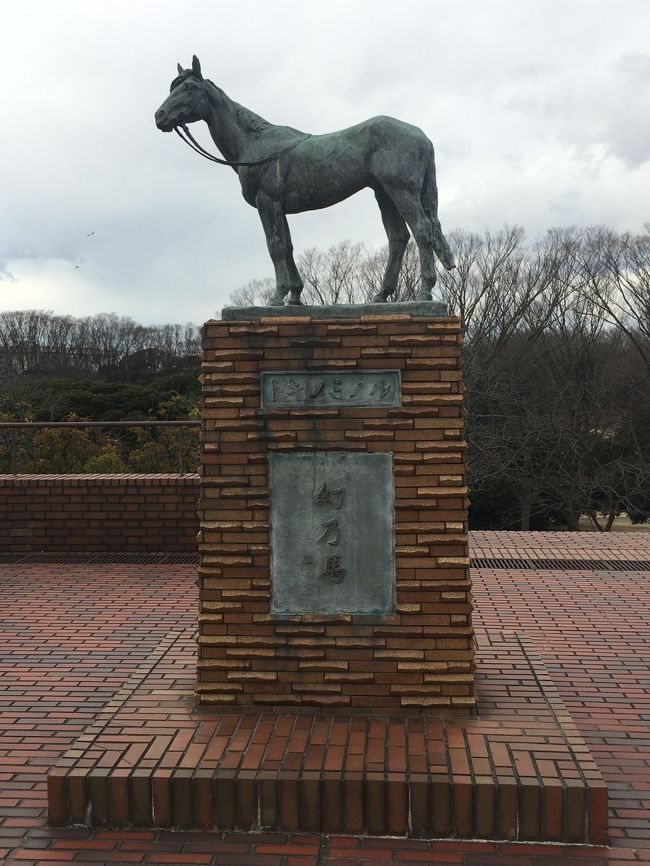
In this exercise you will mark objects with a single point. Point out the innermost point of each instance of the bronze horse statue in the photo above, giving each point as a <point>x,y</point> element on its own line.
<point>285,171</point>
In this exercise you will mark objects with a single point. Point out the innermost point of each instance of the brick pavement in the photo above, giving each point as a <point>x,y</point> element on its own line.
<point>72,635</point>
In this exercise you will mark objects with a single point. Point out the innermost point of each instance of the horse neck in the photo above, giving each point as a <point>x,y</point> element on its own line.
<point>231,125</point>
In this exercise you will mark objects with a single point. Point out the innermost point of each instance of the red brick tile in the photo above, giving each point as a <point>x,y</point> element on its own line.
<point>541,603</point>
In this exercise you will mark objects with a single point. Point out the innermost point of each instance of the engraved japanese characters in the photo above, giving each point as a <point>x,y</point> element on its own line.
<point>320,561</point>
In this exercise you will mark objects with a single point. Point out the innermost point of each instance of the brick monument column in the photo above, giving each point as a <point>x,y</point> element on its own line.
<point>334,560</point>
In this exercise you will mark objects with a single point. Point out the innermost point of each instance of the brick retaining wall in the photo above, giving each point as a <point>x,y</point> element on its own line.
<point>98,513</point>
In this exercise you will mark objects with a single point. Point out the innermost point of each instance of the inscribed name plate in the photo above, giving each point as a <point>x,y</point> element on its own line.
<point>332,533</point>
<point>376,388</point>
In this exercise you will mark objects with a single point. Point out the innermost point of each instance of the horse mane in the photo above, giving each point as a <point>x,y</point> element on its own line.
<point>247,120</point>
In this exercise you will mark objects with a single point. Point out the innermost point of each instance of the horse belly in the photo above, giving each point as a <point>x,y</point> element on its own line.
<point>313,182</point>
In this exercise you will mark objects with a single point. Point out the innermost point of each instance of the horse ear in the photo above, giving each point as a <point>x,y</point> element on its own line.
<point>196,67</point>
<point>180,68</point>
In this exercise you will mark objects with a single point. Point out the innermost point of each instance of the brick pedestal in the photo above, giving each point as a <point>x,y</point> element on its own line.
<point>418,658</point>
<point>369,764</point>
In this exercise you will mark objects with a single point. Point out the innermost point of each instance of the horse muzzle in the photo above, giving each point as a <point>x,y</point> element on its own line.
<point>163,122</point>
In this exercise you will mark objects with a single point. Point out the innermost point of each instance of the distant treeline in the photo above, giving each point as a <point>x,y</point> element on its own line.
<point>106,345</point>
<point>557,365</point>
<point>100,368</point>
<point>556,354</point>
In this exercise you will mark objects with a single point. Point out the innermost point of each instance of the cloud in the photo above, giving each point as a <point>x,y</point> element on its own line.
<point>538,111</point>
<point>635,67</point>
<point>5,273</point>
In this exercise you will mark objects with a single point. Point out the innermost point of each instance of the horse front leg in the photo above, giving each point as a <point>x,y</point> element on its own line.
<point>294,277</point>
<point>278,241</point>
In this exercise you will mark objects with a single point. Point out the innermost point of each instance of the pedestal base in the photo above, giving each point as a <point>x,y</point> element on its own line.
<point>519,770</point>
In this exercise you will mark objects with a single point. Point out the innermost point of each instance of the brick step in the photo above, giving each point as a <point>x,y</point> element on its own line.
<point>519,770</point>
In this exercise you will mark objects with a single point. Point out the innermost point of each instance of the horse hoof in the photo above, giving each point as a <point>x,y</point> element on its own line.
<point>295,302</point>
<point>379,299</point>
<point>424,296</point>
<point>276,302</point>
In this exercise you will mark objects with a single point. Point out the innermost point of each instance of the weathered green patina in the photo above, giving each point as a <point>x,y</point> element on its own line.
<point>308,172</point>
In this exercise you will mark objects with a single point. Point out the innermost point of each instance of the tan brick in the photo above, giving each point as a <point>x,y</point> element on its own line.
<point>424,701</point>
<point>217,699</point>
<point>252,675</point>
<point>422,666</point>
<point>444,561</point>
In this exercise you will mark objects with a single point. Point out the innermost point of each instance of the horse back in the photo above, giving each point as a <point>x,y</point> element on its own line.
<point>326,169</point>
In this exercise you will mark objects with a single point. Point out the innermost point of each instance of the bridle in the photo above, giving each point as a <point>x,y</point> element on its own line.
<point>193,143</point>
<point>190,141</point>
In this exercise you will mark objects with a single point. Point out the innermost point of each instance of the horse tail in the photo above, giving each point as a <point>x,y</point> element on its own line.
<point>429,199</point>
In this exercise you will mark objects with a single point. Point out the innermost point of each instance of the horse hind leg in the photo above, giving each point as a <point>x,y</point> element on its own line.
<point>398,238</point>
<point>429,198</point>
<point>410,207</point>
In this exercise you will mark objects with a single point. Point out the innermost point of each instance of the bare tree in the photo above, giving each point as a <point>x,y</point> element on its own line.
<point>615,273</point>
<point>255,293</point>
<point>332,276</point>
<point>40,342</point>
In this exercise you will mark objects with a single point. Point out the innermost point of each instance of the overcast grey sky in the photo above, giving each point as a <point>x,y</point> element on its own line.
<point>539,112</point>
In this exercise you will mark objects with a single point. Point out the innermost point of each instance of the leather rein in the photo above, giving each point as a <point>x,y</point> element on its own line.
<point>193,143</point>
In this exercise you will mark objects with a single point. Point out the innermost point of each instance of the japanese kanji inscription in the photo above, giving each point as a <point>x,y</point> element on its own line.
<point>332,533</point>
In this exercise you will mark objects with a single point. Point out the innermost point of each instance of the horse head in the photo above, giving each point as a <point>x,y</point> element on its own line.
<point>187,101</point>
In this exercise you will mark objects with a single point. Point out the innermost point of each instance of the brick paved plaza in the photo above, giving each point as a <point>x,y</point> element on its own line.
<point>73,635</point>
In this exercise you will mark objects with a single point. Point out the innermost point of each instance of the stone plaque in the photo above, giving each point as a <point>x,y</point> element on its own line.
<point>332,533</point>
<point>375,388</point>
